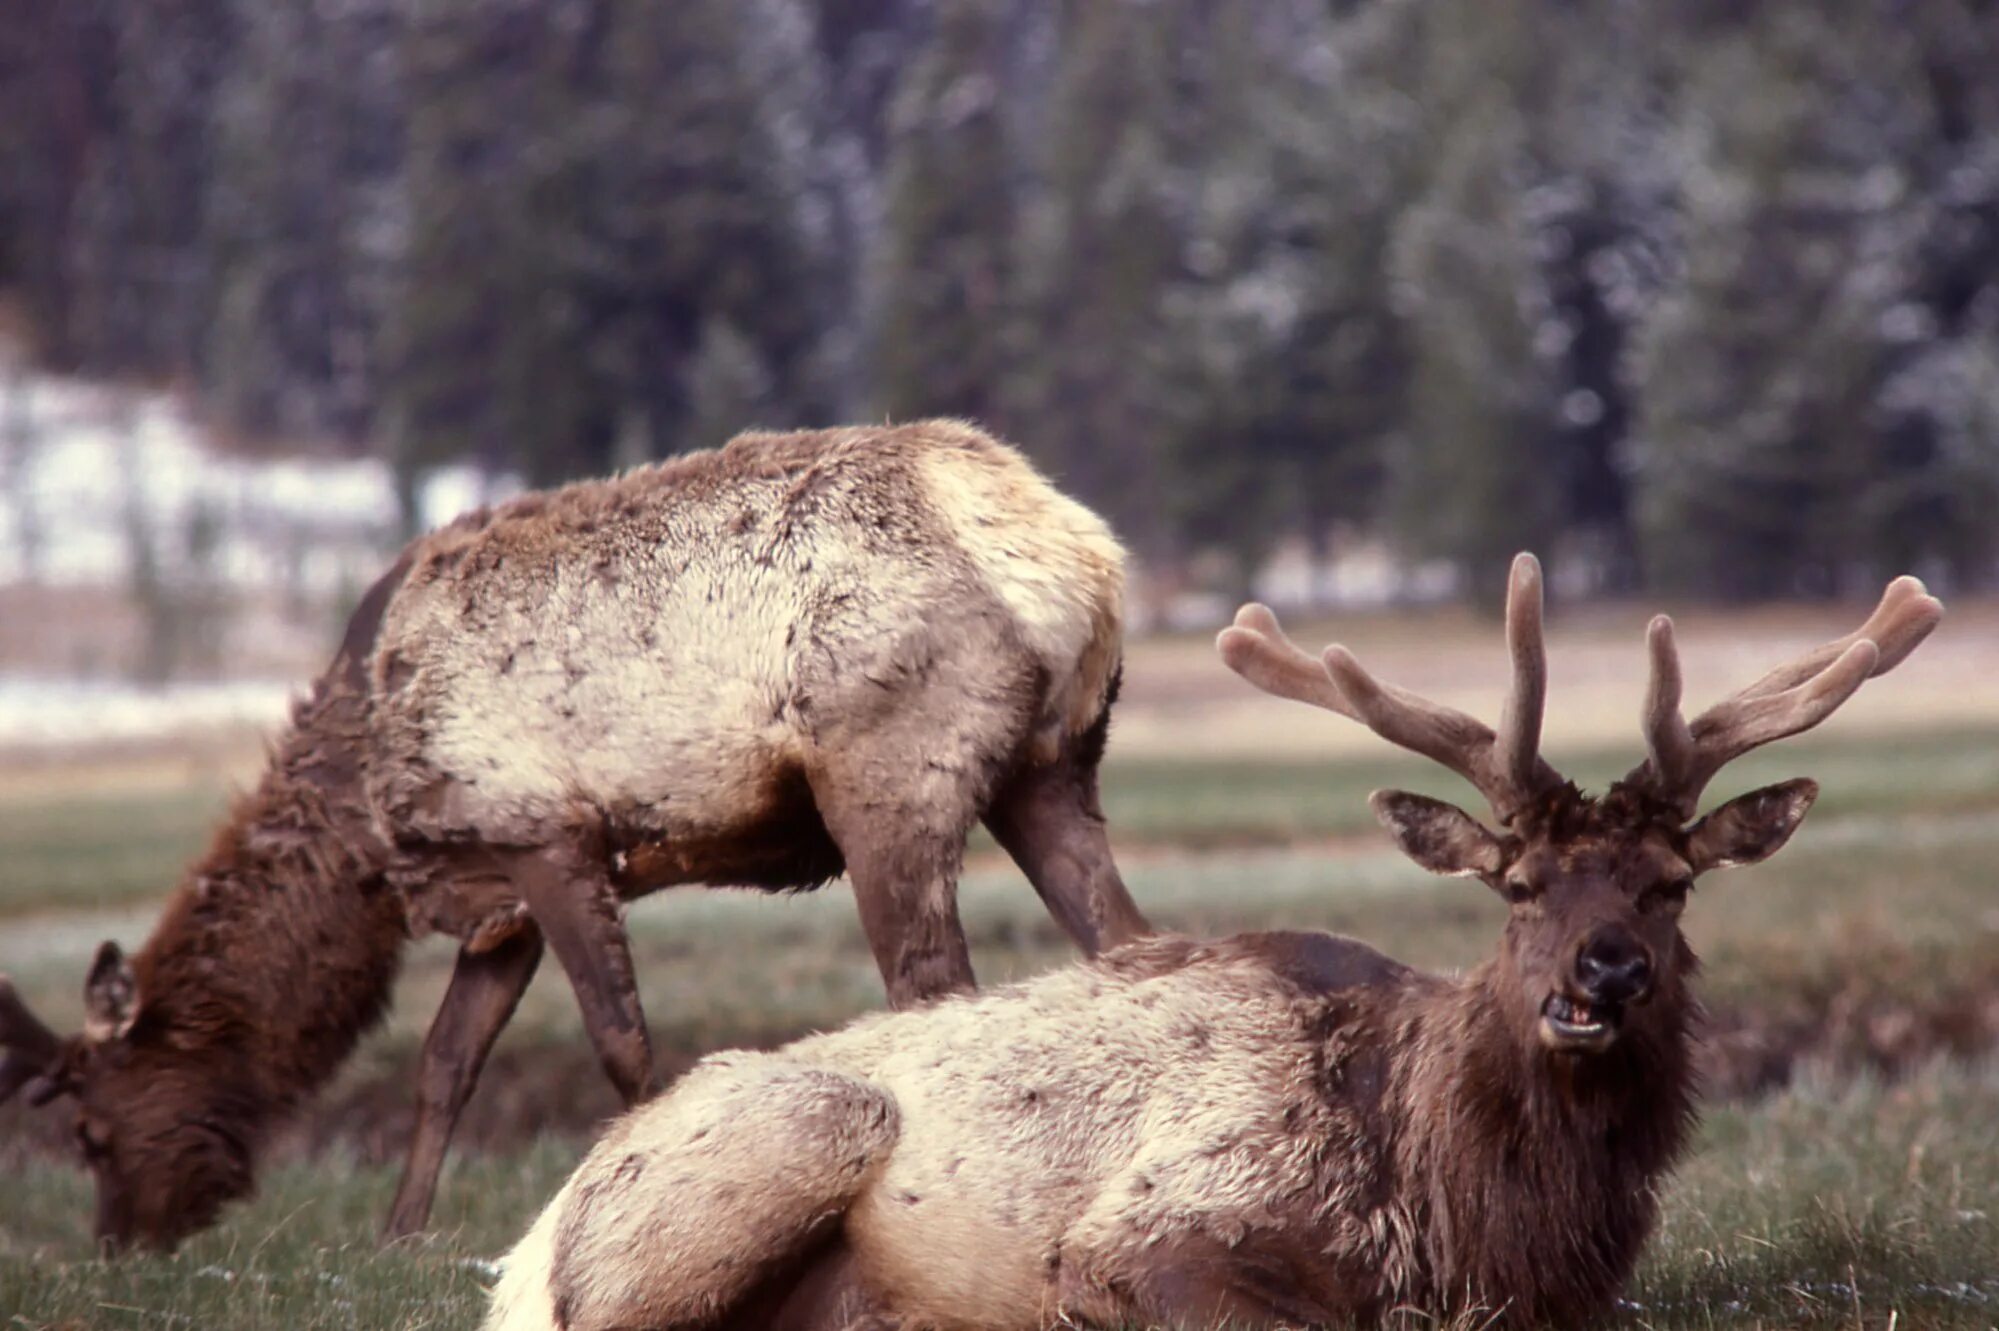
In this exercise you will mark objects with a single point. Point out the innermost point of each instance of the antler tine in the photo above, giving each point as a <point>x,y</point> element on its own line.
<point>1518,745</point>
<point>32,1047</point>
<point>1795,696</point>
<point>1667,739</point>
<point>1442,734</point>
<point>1506,768</point>
<point>1906,615</point>
<point>1730,729</point>
<point>1256,648</point>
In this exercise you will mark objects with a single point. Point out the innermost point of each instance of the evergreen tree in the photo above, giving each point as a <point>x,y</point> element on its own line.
<point>298,231</point>
<point>54,81</point>
<point>1281,320</point>
<point>719,209</point>
<point>1599,188</point>
<point>946,284</point>
<point>139,294</point>
<point>1934,469</point>
<point>484,343</point>
<point>1757,370</point>
<point>1102,383</point>
<point>1706,292</point>
<point>1476,476</point>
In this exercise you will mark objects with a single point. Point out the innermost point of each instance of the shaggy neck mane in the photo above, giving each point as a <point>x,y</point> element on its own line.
<point>1507,1139</point>
<point>278,950</point>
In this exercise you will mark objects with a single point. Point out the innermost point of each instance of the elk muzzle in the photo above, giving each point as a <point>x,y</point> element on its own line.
<point>1612,969</point>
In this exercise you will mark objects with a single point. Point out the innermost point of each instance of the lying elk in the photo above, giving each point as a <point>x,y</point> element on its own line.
<point>753,666</point>
<point>1275,1129</point>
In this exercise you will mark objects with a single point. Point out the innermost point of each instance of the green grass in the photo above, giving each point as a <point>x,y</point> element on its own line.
<point>1874,939</point>
<point>1193,803</point>
<point>1840,1205</point>
<point>1830,1206</point>
<point>98,851</point>
<point>301,1256</point>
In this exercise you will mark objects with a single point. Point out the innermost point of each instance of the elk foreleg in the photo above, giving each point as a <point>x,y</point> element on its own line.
<point>1049,820</point>
<point>571,898</point>
<point>485,988</point>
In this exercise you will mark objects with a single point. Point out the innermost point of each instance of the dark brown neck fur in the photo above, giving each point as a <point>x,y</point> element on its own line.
<point>278,951</point>
<point>1504,1139</point>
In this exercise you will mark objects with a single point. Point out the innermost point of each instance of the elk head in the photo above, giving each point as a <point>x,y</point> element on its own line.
<point>157,1127</point>
<point>1595,885</point>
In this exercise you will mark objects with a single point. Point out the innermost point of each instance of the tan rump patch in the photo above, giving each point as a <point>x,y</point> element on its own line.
<point>1052,562</point>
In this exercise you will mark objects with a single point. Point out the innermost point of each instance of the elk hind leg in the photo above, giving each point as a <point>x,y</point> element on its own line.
<point>903,853</point>
<point>1050,822</point>
<point>690,1205</point>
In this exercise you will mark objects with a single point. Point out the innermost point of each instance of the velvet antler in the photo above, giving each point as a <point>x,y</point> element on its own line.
<point>1796,696</point>
<point>1506,767</point>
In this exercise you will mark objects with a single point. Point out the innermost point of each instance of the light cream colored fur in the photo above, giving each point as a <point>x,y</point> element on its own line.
<point>1051,561</point>
<point>727,1152</point>
<point>1049,1137</point>
<point>652,647</point>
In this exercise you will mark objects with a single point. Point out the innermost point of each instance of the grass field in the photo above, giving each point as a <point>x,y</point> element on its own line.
<point>1847,1173</point>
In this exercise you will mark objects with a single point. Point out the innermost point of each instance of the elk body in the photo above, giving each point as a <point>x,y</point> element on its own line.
<point>1272,1130</point>
<point>756,666</point>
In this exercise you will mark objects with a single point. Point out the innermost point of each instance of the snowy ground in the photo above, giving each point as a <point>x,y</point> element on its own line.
<point>89,470</point>
<point>55,714</point>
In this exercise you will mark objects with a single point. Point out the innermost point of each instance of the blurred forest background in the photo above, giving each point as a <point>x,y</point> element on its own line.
<point>1334,302</point>
<point>1700,298</point>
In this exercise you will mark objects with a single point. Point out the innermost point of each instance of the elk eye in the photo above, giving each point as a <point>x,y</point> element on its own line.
<point>1672,893</point>
<point>1518,890</point>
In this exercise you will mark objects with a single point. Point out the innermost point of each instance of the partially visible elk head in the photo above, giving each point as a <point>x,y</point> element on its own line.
<point>1596,885</point>
<point>156,1126</point>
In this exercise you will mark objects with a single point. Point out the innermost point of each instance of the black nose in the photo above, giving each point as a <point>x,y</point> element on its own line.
<point>1613,967</point>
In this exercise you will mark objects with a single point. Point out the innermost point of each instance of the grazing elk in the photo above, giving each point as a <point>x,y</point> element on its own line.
<point>753,666</point>
<point>1274,1129</point>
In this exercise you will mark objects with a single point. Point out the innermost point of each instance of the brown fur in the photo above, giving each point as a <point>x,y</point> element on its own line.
<point>1273,1130</point>
<point>758,666</point>
<point>287,902</point>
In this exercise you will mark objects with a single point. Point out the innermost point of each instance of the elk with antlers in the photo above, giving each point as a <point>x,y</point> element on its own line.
<point>1273,1130</point>
<point>752,666</point>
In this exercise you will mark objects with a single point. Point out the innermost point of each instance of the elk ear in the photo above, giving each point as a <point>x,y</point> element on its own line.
<point>1750,827</point>
<point>1441,837</point>
<point>110,995</point>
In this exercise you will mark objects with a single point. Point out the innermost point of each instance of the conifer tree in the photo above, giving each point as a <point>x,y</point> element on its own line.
<point>1757,371</point>
<point>945,283</point>
<point>1474,477</point>
<point>1104,252</point>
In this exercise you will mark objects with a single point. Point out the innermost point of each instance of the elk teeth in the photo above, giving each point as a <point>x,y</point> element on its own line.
<point>1575,1017</point>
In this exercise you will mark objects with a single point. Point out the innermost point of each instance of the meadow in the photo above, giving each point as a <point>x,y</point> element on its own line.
<point>1846,1174</point>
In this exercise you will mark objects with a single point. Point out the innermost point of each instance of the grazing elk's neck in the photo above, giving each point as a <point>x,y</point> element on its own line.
<point>1506,1138</point>
<point>278,950</point>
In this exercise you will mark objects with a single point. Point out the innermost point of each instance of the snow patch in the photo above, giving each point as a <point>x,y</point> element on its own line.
<point>52,713</point>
